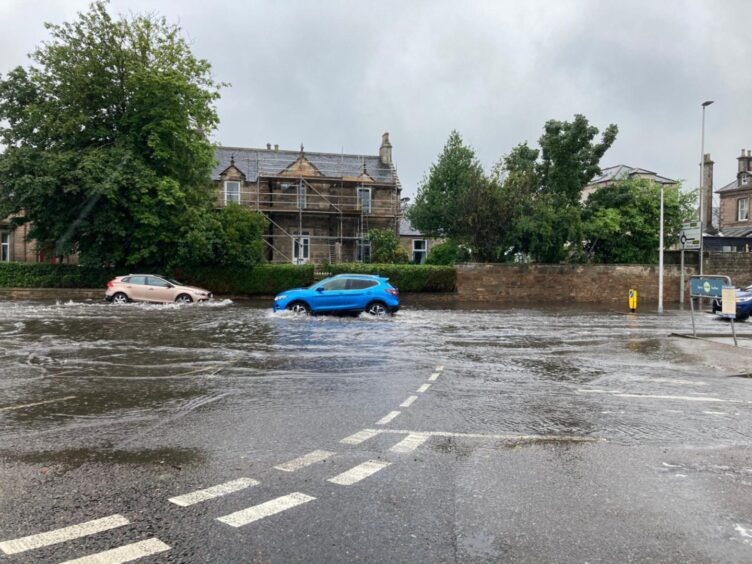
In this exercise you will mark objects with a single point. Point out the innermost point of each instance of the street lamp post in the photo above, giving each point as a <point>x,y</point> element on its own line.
<point>660,260</point>
<point>702,183</point>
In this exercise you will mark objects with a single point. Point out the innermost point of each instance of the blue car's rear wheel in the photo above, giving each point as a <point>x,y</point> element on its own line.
<point>377,308</point>
<point>299,307</point>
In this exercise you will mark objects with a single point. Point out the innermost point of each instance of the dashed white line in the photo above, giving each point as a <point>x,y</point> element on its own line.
<point>62,535</point>
<point>715,413</point>
<point>423,388</point>
<point>410,442</point>
<point>387,418</point>
<point>433,377</point>
<point>360,436</point>
<point>409,401</point>
<point>12,407</point>
<point>439,368</point>
<point>359,472</point>
<point>570,438</point>
<point>215,491</point>
<point>266,509</point>
<point>126,553</point>
<point>305,460</point>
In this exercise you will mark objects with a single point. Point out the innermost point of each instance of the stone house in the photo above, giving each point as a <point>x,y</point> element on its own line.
<point>414,242</point>
<point>613,174</point>
<point>14,246</point>
<point>734,217</point>
<point>320,206</point>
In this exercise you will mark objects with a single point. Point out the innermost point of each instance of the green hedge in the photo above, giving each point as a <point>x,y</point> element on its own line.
<point>38,275</point>
<point>406,277</point>
<point>261,279</point>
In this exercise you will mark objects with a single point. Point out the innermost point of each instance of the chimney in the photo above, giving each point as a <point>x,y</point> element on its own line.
<point>707,192</point>
<point>745,162</point>
<point>385,151</point>
<point>276,147</point>
<point>268,146</point>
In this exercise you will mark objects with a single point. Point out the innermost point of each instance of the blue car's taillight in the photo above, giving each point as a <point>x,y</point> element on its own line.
<point>392,291</point>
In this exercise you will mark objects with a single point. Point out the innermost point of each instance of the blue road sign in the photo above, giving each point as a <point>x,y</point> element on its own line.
<point>706,287</point>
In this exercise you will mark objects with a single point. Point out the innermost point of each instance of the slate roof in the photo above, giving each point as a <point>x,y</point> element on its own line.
<point>619,172</point>
<point>733,185</point>
<point>271,162</point>
<point>736,231</point>
<point>406,228</point>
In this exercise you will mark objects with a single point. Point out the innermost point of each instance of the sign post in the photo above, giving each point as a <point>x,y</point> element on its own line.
<point>690,240</point>
<point>728,307</point>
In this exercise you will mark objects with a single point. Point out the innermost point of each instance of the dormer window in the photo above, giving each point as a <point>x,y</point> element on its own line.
<point>232,192</point>
<point>742,209</point>
<point>745,179</point>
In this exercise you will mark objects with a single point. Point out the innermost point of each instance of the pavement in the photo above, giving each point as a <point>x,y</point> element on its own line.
<point>223,433</point>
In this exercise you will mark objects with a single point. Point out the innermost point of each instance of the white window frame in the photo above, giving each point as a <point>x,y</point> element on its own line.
<point>304,239</point>
<point>228,200</point>
<point>5,246</point>
<point>423,251</point>
<point>365,208</point>
<point>742,210</point>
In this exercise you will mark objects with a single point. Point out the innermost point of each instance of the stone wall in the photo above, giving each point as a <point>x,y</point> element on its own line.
<point>543,283</point>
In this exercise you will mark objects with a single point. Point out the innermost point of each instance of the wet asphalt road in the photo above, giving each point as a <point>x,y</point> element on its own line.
<point>438,435</point>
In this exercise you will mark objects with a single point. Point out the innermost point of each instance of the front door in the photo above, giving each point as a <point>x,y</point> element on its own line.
<point>301,249</point>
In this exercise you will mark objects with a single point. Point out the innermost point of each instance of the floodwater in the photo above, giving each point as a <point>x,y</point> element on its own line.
<point>560,370</point>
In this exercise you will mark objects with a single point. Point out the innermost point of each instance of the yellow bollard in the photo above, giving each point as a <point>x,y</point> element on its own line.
<point>632,300</point>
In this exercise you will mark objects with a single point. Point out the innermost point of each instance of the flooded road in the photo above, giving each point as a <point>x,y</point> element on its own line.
<point>221,432</point>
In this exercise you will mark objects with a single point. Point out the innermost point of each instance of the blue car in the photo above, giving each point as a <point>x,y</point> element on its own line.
<point>344,293</point>
<point>743,304</point>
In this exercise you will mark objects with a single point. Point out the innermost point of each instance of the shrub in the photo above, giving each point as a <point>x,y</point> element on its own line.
<point>36,275</point>
<point>406,277</point>
<point>262,279</point>
<point>385,247</point>
<point>449,252</point>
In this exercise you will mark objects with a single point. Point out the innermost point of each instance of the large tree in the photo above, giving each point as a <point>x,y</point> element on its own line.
<point>456,200</point>
<point>621,221</point>
<point>105,140</point>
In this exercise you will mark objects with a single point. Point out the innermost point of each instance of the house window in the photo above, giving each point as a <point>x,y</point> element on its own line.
<point>364,251</point>
<point>232,192</point>
<point>742,209</point>
<point>301,248</point>
<point>419,251</point>
<point>364,199</point>
<point>745,179</point>
<point>302,196</point>
<point>4,246</point>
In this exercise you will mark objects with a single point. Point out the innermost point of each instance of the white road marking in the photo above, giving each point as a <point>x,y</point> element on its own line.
<point>572,438</point>
<point>266,509</point>
<point>743,531</point>
<point>439,368</point>
<point>126,553</point>
<point>62,535</point>
<point>423,388</point>
<point>215,491</point>
<point>715,413</point>
<point>12,407</point>
<point>387,418</point>
<point>360,436</point>
<point>410,442</point>
<point>305,460</point>
<point>667,465</point>
<point>409,401</point>
<point>652,396</point>
<point>359,472</point>
<point>433,377</point>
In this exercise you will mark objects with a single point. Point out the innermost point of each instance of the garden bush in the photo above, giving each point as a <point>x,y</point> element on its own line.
<point>42,275</point>
<point>405,277</point>
<point>262,279</point>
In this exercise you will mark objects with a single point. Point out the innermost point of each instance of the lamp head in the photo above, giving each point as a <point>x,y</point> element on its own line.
<point>707,103</point>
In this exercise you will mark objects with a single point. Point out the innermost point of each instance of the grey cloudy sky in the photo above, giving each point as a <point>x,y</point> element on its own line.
<point>337,74</point>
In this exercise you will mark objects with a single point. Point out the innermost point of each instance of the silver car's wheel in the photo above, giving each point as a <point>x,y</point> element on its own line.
<point>184,299</point>
<point>120,298</point>
<point>298,308</point>
<point>377,308</point>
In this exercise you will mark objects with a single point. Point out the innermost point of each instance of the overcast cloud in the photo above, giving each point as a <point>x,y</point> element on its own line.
<point>335,75</point>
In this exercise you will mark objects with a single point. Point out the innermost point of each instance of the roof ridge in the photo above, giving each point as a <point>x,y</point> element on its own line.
<point>296,151</point>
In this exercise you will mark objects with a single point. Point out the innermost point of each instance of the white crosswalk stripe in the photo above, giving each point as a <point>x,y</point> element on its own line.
<point>359,472</point>
<point>266,509</point>
<point>63,535</point>
<point>305,460</point>
<point>215,491</point>
<point>127,553</point>
<point>360,436</point>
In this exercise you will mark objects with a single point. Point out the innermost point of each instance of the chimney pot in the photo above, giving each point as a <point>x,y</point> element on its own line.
<point>385,151</point>
<point>268,146</point>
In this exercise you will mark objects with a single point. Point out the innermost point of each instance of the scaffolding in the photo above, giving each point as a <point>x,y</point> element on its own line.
<point>348,196</point>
